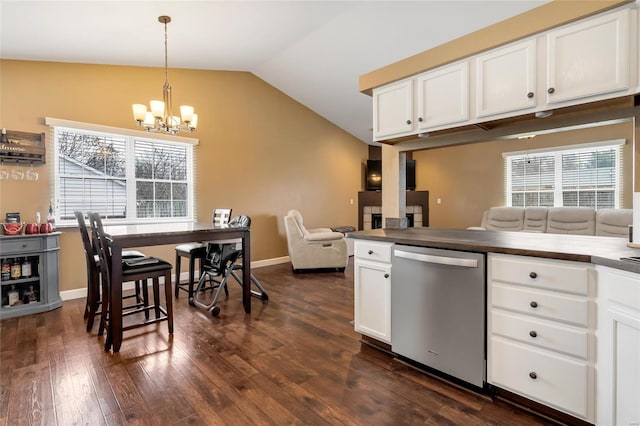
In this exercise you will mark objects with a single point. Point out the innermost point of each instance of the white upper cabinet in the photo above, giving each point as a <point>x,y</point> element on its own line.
<point>506,79</point>
<point>393,110</point>
<point>589,58</point>
<point>443,96</point>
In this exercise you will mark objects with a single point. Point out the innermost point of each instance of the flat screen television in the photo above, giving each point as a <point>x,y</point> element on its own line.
<point>374,175</point>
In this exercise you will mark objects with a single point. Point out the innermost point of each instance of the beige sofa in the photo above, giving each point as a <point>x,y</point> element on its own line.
<point>318,248</point>
<point>559,220</point>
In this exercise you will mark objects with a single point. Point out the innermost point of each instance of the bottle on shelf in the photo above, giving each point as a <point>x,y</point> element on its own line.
<point>13,295</point>
<point>5,270</point>
<point>3,136</point>
<point>16,269</point>
<point>26,267</point>
<point>50,217</point>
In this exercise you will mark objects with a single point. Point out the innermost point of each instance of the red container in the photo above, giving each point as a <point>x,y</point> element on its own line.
<point>45,228</point>
<point>31,228</point>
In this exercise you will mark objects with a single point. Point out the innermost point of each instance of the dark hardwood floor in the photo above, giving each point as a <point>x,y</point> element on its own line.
<point>294,360</point>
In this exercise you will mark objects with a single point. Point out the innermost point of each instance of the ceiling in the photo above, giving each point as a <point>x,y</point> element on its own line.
<point>314,51</point>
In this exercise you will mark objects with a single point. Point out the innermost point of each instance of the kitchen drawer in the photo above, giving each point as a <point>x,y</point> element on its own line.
<point>544,304</point>
<point>18,246</point>
<point>545,274</point>
<point>373,250</point>
<point>545,334</point>
<point>559,382</point>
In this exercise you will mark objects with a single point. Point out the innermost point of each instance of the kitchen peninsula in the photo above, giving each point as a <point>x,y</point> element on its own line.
<point>562,315</point>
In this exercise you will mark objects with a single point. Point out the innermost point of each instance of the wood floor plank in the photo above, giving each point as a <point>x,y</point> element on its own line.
<point>295,360</point>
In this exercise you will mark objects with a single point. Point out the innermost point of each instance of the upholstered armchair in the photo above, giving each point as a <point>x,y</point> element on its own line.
<point>318,248</point>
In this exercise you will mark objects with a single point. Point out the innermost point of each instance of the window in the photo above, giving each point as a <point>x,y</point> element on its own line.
<point>125,176</point>
<point>588,175</point>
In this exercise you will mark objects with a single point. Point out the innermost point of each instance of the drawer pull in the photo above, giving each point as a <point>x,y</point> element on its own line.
<point>533,275</point>
<point>533,375</point>
<point>533,304</point>
<point>370,252</point>
<point>532,333</point>
<point>24,245</point>
<point>386,275</point>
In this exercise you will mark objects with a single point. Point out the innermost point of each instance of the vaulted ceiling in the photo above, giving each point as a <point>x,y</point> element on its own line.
<point>314,51</point>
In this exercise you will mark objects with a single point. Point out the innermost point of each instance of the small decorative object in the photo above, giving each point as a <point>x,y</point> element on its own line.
<point>51,219</point>
<point>45,228</point>
<point>31,228</point>
<point>12,228</point>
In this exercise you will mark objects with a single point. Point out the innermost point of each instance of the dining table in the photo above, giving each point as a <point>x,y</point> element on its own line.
<point>144,235</point>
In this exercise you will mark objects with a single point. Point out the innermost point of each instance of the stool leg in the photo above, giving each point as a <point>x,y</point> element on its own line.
<point>192,272</point>
<point>145,296</point>
<point>169,302</point>
<point>156,296</point>
<point>177,274</point>
<point>93,298</point>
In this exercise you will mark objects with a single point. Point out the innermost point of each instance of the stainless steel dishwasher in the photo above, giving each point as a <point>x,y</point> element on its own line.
<point>438,310</point>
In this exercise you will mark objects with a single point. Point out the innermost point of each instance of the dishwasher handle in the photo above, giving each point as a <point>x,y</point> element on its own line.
<point>441,260</point>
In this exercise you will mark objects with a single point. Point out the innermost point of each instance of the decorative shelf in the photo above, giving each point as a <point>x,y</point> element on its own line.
<point>23,147</point>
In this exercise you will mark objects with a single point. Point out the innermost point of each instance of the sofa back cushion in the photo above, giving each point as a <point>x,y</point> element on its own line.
<point>613,222</point>
<point>504,219</point>
<point>571,220</point>
<point>535,219</point>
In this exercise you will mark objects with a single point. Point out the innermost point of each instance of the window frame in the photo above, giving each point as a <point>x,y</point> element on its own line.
<point>557,152</point>
<point>129,137</point>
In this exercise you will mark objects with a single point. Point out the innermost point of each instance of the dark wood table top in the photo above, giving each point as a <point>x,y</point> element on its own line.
<point>605,251</point>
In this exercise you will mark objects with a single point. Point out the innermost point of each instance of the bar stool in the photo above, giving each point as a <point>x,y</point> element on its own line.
<point>196,250</point>
<point>93,274</point>
<point>138,269</point>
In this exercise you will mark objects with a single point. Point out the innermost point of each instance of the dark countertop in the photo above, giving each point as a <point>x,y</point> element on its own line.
<point>605,251</point>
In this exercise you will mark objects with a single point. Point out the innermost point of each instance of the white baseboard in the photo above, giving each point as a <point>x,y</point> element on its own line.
<point>80,293</point>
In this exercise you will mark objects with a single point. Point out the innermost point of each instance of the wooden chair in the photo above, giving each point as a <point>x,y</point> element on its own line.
<point>138,269</point>
<point>196,251</point>
<point>92,261</point>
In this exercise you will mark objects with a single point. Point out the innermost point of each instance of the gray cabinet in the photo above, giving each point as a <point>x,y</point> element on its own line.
<point>31,285</point>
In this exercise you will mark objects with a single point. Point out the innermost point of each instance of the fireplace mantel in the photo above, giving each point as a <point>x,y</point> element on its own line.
<point>374,198</point>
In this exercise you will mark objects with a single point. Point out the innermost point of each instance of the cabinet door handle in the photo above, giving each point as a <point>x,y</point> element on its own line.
<point>408,121</point>
<point>533,275</point>
<point>420,119</point>
<point>532,333</point>
<point>530,95</point>
<point>550,90</point>
<point>533,304</point>
<point>533,375</point>
<point>370,252</point>
<point>386,275</point>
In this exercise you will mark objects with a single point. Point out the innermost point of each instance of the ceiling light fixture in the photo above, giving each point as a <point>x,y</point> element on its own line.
<point>160,118</point>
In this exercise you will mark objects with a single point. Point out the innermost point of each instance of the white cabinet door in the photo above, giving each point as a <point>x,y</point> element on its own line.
<point>393,110</point>
<point>372,299</point>
<point>506,79</point>
<point>443,96</point>
<point>588,58</point>
<point>618,363</point>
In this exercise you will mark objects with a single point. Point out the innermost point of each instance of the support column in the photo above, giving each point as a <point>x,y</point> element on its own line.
<point>394,196</point>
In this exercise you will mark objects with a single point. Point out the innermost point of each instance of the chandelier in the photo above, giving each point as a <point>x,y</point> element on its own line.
<point>160,118</point>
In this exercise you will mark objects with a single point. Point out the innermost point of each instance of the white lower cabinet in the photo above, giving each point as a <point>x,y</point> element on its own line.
<point>540,331</point>
<point>372,289</point>
<point>618,364</point>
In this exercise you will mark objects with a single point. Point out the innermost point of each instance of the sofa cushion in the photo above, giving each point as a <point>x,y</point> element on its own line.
<point>504,219</point>
<point>571,220</point>
<point>613,222</point>
<point>535,219</point>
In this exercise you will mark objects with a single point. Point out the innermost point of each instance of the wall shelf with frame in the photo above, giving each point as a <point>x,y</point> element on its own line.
<point>23,147</point>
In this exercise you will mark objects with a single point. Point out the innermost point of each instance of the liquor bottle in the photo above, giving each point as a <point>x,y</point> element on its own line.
<point>26,268</point>
<point>5,271</point>
<point>3,136</point>
<point>50,217</point>
<point>13,295</point>
<point>16,269</point>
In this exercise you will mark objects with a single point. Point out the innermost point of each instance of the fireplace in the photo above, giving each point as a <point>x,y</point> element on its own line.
<point>370,209</point>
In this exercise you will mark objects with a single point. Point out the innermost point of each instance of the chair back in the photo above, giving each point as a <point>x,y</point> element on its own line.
<point>86,240</point>
<point>101,246</point>
<point>220,256</point>
<point>221,217</point>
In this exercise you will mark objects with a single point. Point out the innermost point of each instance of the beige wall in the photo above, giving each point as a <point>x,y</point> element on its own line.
<point>261,153</point>
<point>469,178</point>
